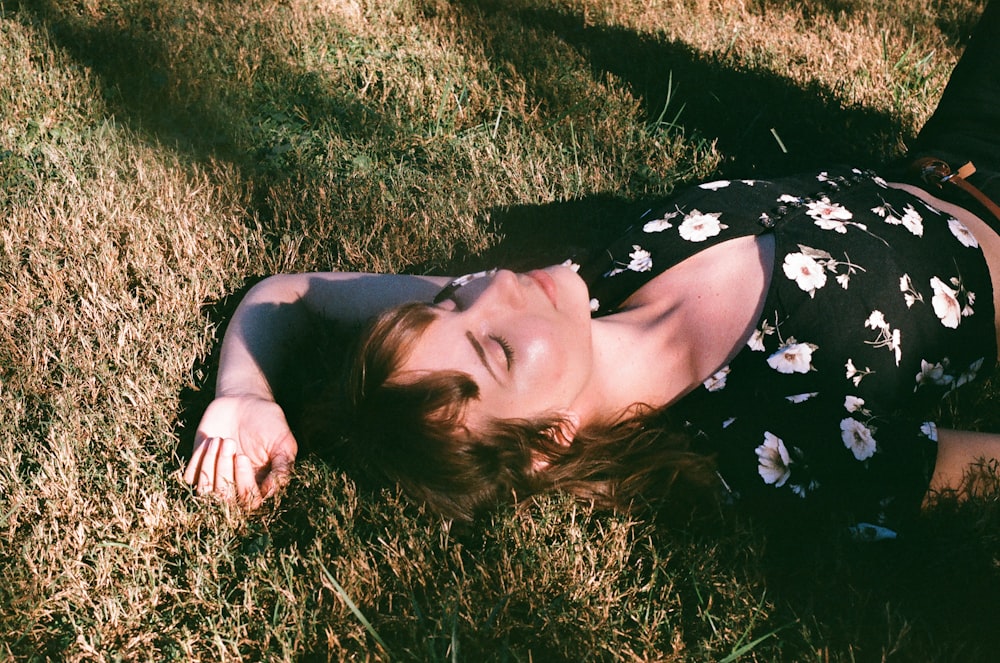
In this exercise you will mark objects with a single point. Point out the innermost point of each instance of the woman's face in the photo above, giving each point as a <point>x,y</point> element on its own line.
<point>524,338</point>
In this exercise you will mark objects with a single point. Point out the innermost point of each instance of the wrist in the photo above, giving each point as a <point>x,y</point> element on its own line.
<point>222,391</point>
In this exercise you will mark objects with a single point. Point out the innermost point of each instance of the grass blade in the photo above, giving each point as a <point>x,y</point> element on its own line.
<point>354,608</point>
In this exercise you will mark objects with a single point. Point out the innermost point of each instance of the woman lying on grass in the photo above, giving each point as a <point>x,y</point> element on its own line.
<point>779,342</point>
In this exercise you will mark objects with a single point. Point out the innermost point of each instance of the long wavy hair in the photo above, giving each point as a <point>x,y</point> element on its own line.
<point>411,429</point>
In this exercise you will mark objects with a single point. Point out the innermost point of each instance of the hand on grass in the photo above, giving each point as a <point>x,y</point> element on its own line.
<point>243,450</point>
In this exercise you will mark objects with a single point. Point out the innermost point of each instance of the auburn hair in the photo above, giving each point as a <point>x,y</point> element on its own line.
<point>410,428</point>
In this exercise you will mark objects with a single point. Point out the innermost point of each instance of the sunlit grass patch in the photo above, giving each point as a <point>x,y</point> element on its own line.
<point>157,155</point>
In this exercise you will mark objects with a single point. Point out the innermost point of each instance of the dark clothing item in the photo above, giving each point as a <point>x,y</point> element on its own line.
<point>966,124</point>
<point>878,306</point>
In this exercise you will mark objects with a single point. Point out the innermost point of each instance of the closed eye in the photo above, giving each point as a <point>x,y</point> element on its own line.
<point>508,349</point>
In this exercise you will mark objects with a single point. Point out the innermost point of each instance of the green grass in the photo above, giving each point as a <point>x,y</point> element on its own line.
<point>158,155</point>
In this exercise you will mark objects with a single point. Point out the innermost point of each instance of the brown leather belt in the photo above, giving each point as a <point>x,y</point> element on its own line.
<point>936,173</point>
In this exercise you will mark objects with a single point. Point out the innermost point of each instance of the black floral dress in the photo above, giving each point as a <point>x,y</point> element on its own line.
<point>878,306</point>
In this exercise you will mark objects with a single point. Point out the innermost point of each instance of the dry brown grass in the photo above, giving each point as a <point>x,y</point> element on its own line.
<point>155,155</point>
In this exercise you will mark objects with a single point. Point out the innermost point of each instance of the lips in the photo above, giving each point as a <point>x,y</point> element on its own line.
<point>544,282</point>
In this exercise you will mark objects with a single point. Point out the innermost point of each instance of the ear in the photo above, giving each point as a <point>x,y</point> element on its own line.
<point>564,432</point>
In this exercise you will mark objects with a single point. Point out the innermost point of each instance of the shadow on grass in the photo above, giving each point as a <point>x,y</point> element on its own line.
<point>165,100</point>
<point>945,579</point>
<point>764,123</point>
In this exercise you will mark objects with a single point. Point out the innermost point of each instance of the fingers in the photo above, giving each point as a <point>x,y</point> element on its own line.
<point>247,491</point>
<point>204,478</point>
<point>279,475</point>
<point>217,468</point>
<point>212,467</point>
<point>194,465</point>
<point>225,470</point>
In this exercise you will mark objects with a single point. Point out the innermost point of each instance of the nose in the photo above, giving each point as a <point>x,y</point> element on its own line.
<point>504,289</point>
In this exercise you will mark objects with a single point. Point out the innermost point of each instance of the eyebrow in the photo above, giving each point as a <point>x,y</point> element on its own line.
<point>477,346</point>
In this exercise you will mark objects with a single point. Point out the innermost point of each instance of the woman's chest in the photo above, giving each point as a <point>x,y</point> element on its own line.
<point>707,306</point>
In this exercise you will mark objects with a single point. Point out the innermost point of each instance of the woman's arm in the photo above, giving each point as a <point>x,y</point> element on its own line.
<point>243,447</point>
<point>276,311</point>
<point>958,454</point>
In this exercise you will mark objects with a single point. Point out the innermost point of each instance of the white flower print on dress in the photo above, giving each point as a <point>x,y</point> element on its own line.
<point>947,306</point>
<point>714,186</point>
<point>910,294</point>
<point>887,337</point>
<point>962,234</point>
<point>806,268</point>
<point>939,374</point>
<point>970,373</point>
<point>910,219</point>
<point>773,461</point>
<point>855,374</point>
<point>854,404</point>
<point>836,225</point>
<point>699,226</point>
<point>661,224</point>
<point>801,490</point>
<point>829,216</point>
<point>658,225</point>
<point>801,398</point>
<point>756,340</point>
<point>934,374</point>
<point>717,381</point>
<point>572,265</point>
<point>793,357</point>
<point>641,260</point>
<point>595,305</point>
<point>858,438</point>
<point>876,320</point>
<point>805,271</point>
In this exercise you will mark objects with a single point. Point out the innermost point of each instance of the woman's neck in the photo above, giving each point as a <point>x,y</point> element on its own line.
<point>679,328</point>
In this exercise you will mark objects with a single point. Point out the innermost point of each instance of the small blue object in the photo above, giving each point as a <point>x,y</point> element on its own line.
<point>869,532</point>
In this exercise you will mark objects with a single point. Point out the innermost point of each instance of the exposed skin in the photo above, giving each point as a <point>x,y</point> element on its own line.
<point>243,447</point>
<point>542,353</point>
<point>657,321</point>
<point>562,361</point>
<point>526,340</point>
